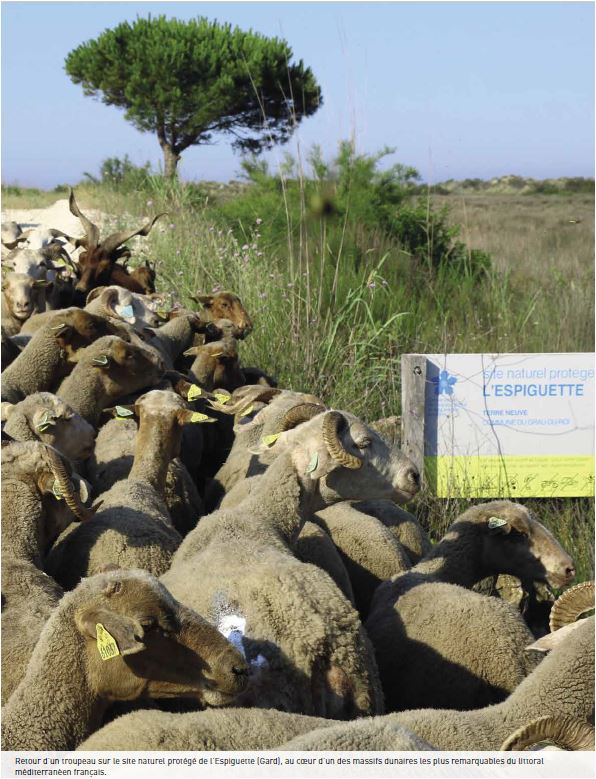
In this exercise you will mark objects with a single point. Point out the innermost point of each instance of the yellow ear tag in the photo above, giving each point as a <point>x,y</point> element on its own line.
<point>246,411</point>
<point>106,643</point>
<point>217,354</point>
<point>56,491</point>
<point>221,398</point>
<point>198,417</point>
<point>270,439</point>
<point>162,313</point>
<point>194,392</point>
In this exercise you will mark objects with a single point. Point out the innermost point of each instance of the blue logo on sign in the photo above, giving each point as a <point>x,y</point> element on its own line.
<point>444,383</point>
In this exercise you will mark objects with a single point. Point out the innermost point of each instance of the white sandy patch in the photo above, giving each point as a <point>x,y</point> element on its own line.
<point>57,215</point>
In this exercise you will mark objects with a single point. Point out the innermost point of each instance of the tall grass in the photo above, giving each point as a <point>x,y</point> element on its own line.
<point>339,287</point>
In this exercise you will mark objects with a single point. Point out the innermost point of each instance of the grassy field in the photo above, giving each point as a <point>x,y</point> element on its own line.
<point>336,300</point>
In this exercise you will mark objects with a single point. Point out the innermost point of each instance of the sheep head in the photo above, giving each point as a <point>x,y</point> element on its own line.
<point>138,640</point>
<point>23,295</point>
<point>226,305</point>
<point>349,461</point>
<point>124,367</point>
<point>49,419</point>
<point>75,329</point>
<point>98,258</point>
<point>119,303</point>
<point>516,543</point>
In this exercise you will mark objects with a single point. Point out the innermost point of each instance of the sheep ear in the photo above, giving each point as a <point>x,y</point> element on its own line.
<point>315,462</point>
<point>551,640</point>
<point>42,419</point>
<point>6,410</point>
<point>204,300</point>
<point>187,416</point>
<point>192,352</point>
<point>126,633</point>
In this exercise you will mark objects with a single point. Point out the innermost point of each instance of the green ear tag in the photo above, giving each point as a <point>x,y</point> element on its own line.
<point>58,327</point>
<point>42,427</point>
<point>221,398</point>
<point>270,439</point>
<point>246,411</point>
<point>198,417</point>
<point>194,392</point>
<point>314,461</point>
<point>494,522</point>
<point>122,412</point>
<point>56,491</point>
<point>106,643</point>
<point>103,360</point>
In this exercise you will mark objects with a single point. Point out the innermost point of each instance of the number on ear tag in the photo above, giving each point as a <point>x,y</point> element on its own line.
<point>198,417</point>
<point>56,491</point>
<point>194,392</point>
<point>106,643</point>
<point>221,398</point>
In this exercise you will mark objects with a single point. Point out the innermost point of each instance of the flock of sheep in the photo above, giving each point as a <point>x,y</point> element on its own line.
<point>195,559</point>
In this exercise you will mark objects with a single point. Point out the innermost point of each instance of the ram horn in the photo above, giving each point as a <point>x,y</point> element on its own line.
<point>332,424</point>
<point>299,414</point>
<point>66,486</point>
<point>91,230</point>
<point>571,604</point>
<point>112,242</point>
<point>565,732</point>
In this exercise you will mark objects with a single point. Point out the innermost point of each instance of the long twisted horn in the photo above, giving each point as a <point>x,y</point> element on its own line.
<point>571,604</point>
<point>331,427</point>
<point>299,414</point>
<point>91,230</point>
<point>565,732</point>
<point>67,489</point>
<point>112,242</point>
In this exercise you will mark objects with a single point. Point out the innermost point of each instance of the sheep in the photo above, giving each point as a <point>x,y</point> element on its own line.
<point>133,527</point>
<point>225,305</point>
<point>370,733</point>
<point>216,363</point>
<point>439,644</point>
<point>218,729</point>
<point>119,635</point>
<point>120,303</point>
<point>12,234</point>
<point>107,370</point>
<point>175,336</point>
<point>34,479</point>
<point>112,461</point>
<point>52,353</point>
<point>403,526</point>
<point>250,429</point>
<point>388,428</point>
<point>44,417</point>
<point>562,685</point>
<point>313,545</point>
<point>369,551</point>
<point>97,263</point>
<point>301,634</point>
<point>21,296</point>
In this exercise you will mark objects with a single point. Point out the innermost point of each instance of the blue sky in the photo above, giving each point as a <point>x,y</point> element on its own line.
<point>460,89</point>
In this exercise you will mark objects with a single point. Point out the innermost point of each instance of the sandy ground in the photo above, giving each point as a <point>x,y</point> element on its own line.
<point>56,215</point>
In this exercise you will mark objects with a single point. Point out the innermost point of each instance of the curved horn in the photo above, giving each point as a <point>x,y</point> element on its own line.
<point>571,604</point>
<point>91,230</point>
<point>565,732</point>
<point>299,414</point>
<point>67,489</point>
<point>331,426</point>
<point>112,242</point>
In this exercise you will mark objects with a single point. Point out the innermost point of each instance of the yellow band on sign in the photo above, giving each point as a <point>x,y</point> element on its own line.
<point>511,476</point>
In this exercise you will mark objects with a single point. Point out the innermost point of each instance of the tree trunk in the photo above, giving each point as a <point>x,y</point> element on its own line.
<point>170,161</point>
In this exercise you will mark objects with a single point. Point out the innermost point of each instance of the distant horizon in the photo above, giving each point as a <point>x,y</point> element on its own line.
<point>461,90</point>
